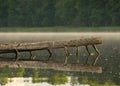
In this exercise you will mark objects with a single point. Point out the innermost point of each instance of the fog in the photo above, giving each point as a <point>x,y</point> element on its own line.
<point>25,37</point>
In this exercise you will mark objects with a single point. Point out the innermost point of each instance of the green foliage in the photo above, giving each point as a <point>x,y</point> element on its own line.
<point>85,80</point>
<point>3,12</point>
<point>36,13</point>
<point>60,29</point>
<point>58,79</point>
<point>20,72</point>
<point>3,80</point>
<point>36,77</point>
<point>94,83</point>
<point>109,83</point>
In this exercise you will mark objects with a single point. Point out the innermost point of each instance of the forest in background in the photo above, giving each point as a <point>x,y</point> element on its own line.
<point>47,13</point>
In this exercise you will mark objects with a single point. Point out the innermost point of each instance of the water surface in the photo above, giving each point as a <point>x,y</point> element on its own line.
<point>109,60</point>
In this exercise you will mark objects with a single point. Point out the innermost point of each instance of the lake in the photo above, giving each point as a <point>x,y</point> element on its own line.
<point>109,61</point>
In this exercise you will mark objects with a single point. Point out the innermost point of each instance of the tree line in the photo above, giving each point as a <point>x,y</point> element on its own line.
<point>37,13</point>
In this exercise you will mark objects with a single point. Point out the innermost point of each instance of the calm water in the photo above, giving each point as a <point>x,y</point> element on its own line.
<point>109,60</point>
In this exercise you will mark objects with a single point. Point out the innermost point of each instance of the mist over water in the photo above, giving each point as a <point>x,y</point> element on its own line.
<point>31,37</point>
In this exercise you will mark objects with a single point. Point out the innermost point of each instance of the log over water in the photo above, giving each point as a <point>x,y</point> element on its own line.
<point>11,47</point>
<point>50,65</point>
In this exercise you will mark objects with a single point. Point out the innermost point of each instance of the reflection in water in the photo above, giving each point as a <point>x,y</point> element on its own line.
<point>109,60</point>
<point>19,81</point>
<point>72,81</point>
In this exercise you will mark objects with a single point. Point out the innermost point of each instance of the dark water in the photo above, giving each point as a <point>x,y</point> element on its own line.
<point>109,60</point>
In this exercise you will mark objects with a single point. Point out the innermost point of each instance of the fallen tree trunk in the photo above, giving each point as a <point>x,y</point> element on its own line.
<point>49,65</point>
<point>11,47</point>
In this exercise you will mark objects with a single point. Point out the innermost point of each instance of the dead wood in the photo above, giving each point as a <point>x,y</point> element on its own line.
<point>11,47</point>
<point>50,65</point>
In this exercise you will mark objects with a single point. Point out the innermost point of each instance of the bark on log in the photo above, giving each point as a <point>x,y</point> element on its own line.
<point>50,65</point>
<point>11,47</point>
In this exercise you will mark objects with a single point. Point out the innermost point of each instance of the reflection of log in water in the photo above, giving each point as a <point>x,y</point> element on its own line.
<point>49,65</point>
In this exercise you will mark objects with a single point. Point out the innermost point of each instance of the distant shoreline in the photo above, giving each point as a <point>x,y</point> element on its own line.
<point>60,29</point>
